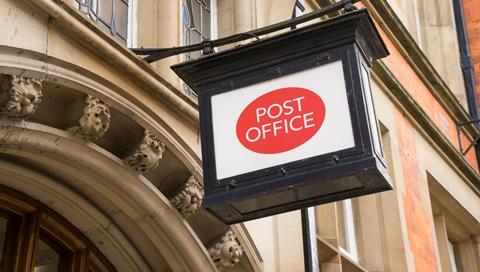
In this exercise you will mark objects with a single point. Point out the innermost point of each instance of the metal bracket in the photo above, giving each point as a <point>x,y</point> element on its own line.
<point>349,7</point>
<point>459,133</point>
<point>155,54</point>
<point>466,63</point>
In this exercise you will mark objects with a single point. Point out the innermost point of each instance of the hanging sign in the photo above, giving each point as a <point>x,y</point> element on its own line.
<point>288,122</point>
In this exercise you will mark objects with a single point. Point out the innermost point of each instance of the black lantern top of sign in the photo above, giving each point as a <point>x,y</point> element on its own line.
<point>352,27</point>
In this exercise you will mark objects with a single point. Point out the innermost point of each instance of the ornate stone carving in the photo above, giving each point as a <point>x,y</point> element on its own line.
<point>227,252</point>
<point>19,96</point>
<point>147,155</point>
<point>94,121</point>
<point>190,198</point>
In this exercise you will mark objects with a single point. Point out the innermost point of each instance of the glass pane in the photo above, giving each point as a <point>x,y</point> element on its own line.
<point>84,6</point>
<point>3,237</point>
<point>194,37</point>
<point>185,15</point>
<point>206,23</point>
<point>196,13</point>
<point>46,259</point>
<point>186,36</point>
<point>105,11</point>
<point>121,18</point>
<point>93,6</point>
<point>195,55</point>
<point>207,3</point>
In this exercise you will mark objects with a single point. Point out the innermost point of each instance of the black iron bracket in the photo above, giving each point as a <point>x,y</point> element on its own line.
<point>459,133</point>
<point>154,54</point>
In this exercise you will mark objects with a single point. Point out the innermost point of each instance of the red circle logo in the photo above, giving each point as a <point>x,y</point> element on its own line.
<point>280,120</point>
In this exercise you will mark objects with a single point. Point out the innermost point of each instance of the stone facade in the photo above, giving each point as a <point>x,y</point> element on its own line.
<point>111,143</point>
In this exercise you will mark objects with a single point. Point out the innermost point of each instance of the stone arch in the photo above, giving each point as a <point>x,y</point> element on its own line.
<point>33,65</point>
<point>142,224</point>
<point>136,218</point>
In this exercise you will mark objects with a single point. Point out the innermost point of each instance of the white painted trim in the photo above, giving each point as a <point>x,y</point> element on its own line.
<point>180,23</point>
<point>132,27</point>
<point>451,255</point>
<point>213,20</point>
<point>352,251</point>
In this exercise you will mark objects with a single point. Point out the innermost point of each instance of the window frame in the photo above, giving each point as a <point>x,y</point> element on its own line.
<point>213,22</point>
<point>298,8</point>
<point>132,24</point>
<point>451,254</point>
<point>213,36</point>
<point>91,9</point>
<point>349,231</point>
<point>34,220</point>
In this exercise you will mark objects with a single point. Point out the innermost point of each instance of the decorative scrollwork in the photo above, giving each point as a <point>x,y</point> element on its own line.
<point>19,96</point>
<point>227,252</point>
<point>95,120</point>
<point>147,155</point>
<point>190,198</point>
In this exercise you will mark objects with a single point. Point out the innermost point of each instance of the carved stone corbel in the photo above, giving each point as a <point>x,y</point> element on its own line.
<point>147,155</point>
<point>190,198</point>
<point>95,120</point>
<point>19,96</point>
<point>227,252</point>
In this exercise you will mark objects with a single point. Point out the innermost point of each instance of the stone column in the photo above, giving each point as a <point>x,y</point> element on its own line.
<point>159,26</point>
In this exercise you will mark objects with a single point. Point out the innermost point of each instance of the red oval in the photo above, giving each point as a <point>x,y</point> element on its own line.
<point>280,120</point>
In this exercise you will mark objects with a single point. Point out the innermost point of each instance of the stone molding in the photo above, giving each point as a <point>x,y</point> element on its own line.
<point>227,252</point>
<point>424,124</point>
<point>74,24</point>
<point>19,96</point>
<point>147,155</point>
<point>95,120</point>
<point>419,62</point>
<point>190,198</point>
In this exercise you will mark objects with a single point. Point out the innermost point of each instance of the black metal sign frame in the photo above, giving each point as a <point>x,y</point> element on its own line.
<point>342,174</point>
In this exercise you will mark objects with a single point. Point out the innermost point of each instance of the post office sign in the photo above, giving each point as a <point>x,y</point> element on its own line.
<point>288,122</point>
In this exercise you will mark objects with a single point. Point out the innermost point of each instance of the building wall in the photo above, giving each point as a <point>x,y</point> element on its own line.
<point>405,238</point>
<point>418,96</point>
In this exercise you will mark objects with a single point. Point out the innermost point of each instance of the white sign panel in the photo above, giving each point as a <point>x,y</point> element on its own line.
<point>298,116</point>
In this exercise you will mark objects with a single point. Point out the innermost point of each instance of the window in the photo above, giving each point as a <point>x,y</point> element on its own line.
<point>35,238</point>
<point>455,228</point>
<point>109,15</point>
<point>346,229</point>
<point>299,8</point>
<point>198,22</point>
<point>8,232</point>
<point>46,258</point>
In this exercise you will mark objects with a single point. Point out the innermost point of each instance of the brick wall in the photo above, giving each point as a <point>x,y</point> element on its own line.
<point>472,20</point>
<point>412,82</point>
<point>421,242</point>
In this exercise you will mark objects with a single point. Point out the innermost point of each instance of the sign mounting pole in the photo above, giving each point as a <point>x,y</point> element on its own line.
<point>309,234</point>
